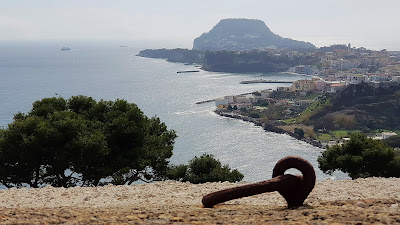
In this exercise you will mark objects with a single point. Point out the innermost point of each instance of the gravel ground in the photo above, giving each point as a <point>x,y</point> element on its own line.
<point>361,201</point>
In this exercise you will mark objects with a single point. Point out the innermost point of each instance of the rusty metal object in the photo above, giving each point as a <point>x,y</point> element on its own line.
<point>294,188</point>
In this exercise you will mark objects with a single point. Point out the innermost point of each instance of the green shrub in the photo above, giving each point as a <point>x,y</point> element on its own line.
<point>204,169</point>
<point>361,157</point>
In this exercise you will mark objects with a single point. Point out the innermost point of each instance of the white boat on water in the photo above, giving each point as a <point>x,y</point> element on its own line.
<point>65,49</point>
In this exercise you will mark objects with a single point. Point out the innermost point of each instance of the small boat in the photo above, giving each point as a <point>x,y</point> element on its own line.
<point>65,49</point>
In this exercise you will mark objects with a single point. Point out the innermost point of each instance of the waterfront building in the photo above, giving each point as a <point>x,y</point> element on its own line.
<point>221,103</point>
<point>230,99</point>
<point>266,93</point>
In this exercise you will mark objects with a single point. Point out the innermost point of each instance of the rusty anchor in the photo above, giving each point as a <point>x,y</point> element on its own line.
<point>294,188</point>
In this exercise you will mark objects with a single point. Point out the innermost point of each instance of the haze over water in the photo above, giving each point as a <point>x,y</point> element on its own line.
<point>32,72</point>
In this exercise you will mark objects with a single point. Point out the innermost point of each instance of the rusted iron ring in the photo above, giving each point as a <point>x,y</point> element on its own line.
<point>294,188</point>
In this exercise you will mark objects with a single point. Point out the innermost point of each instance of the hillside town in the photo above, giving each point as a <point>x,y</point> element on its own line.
<point>336,68</point>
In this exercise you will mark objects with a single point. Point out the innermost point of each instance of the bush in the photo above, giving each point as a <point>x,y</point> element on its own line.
<point>299,132</point>
<point>361,157</point>
<point>83,142</point>
<point>204,169</point>
<point>254,115</point>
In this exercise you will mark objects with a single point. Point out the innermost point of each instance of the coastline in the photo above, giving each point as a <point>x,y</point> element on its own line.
<point>270,127</point>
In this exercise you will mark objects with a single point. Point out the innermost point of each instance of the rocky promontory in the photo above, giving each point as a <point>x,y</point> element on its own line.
<point>244,34</point>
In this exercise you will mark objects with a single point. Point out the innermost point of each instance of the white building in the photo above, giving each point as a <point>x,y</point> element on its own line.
<point>356,79</point>
<point>381,77</point>
<point>388,134</point>
<point>221,102</point>
<point>384,135</point>
<point>266,93</point>
<point>396,79</point>
<point>244,99</point>
<point>231,98</point>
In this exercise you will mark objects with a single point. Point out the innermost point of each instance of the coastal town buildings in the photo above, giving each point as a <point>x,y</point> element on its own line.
<point>338,67</point>
<point>334,70</point>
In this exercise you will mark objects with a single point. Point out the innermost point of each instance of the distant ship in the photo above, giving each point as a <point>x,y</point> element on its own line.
<point>65,49</point>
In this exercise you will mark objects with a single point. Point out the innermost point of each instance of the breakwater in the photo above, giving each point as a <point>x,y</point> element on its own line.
<point>265,81</point>
<point>206,101</point>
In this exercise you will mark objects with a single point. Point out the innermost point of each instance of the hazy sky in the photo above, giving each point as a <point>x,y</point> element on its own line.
<point>175,23</point>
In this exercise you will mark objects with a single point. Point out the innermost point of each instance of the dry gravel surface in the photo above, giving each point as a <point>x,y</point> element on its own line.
<point>361,201</point>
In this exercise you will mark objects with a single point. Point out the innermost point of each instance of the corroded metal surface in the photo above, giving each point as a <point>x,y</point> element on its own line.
<point>294,188</point>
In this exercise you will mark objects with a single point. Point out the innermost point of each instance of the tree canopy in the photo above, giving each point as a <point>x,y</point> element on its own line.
<point>361,157</point>
<point>79,141</point>
<point>204,169</point>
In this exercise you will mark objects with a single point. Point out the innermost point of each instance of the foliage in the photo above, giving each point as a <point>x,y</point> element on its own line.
<point>361,157</point>
<point>317,107</point>
<point>251,61</point>
<point>204,169</point>
<point>338,134</point>
<point>244,110</point>
<point>254,115</point>
<point>396,99</point>
<point>299,132</point>
<point>393,141</point>
<point>273,112</point>
<point>336,121</point>
<point>79,141</point>
<point>324,137</point>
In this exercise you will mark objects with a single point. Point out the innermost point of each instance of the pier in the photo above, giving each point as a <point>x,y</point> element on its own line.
<point>265,81</point>
<point>188,71</point>
<point>201,102</point>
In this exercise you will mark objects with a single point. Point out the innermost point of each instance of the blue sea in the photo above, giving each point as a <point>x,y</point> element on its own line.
<point>31,71</point>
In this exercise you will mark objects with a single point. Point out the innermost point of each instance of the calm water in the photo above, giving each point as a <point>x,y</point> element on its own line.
<point>31,72</point>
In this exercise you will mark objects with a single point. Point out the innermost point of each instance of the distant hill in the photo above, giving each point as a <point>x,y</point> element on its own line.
<point>361,107</point>
<point>244,34</point>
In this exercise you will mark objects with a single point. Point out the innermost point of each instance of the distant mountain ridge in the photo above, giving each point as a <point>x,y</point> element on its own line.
<point>244,34</point>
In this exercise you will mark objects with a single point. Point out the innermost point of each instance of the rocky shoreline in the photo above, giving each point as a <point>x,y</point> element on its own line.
<point>361,201</point>
<point>270,127</point>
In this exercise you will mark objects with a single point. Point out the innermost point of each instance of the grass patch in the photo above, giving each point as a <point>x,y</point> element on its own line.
<point>324,137</point>
<point>338,134</point>
<point>289,121</point>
